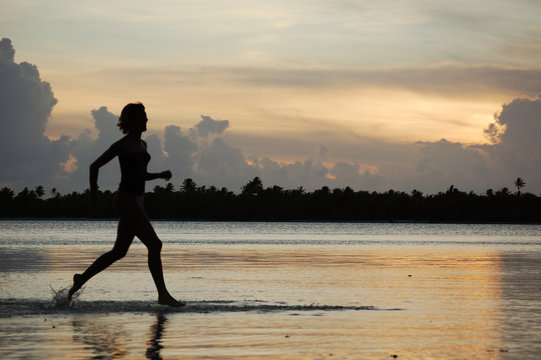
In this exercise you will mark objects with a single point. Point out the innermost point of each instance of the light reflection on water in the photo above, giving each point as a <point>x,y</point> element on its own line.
<point>462,291</point>
<point>54,232</point>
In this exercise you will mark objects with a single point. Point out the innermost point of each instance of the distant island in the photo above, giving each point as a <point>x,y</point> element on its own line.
<point>256,203</point>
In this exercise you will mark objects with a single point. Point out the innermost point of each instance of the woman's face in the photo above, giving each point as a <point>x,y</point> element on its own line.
<point>141,121</point>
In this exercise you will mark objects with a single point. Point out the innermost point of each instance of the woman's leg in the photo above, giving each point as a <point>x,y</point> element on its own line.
<point>125,235</point>
<point>145,232</point>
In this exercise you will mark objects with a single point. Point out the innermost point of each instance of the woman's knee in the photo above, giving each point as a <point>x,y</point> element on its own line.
<point>155,245</point>
<point>118,254</point>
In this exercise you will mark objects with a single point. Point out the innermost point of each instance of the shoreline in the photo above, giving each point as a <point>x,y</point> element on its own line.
<point>281,221</point>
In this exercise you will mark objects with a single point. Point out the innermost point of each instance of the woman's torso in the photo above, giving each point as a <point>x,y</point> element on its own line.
<point>133,168</point>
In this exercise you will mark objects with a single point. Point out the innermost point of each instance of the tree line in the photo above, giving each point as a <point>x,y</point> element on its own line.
<point>255,202</point>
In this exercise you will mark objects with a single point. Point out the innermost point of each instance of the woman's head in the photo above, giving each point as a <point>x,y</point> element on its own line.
<point>133,118</point>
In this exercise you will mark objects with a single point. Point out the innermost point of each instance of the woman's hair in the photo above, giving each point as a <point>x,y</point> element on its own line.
<point>128,116</point>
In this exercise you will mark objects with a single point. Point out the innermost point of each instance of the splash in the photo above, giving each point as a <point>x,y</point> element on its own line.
<point>60,297</point>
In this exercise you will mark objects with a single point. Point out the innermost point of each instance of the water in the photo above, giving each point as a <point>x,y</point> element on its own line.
<point>275,291</point>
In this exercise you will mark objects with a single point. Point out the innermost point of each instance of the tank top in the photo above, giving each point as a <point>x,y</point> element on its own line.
<point>133,169</point>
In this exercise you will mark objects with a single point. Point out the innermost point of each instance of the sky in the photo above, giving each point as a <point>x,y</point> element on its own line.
<point>392,94</point>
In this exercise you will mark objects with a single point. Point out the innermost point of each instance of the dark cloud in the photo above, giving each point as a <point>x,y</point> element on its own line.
<point>437,164</point>
<point>522,121</point>
<point>208,125</point>
<point>85,149</point>
<point>180,150</point>
<point>27,156</point>
<point>494,132</point>
<point>155,149</point>
<point>7,52</point>
<point>309,174</point>
<point>518,149</point>
<point>444,163</point>
<point>224,165</point>
<point>515,152</point>
<point>348,174</point>
<point>105,122</point>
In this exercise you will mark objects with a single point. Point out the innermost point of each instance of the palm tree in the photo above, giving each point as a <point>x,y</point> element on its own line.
<point>169,188</point>
<point>39,191</point>
<point>6,194</point>
<point>188,185</point>
<point>253,187</point>
<point>55,193</point>
<point>519,183</point>
<point>503,191</point>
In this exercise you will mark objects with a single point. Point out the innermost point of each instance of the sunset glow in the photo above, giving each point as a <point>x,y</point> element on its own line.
<point>373,83</point>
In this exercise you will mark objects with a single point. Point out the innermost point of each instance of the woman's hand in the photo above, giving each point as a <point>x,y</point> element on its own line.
<point>166,175</point>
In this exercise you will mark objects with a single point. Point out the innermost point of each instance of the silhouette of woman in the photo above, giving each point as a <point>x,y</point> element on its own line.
<point>133,156</point>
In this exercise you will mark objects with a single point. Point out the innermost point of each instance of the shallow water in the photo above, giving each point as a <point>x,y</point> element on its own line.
<point>276,290</point>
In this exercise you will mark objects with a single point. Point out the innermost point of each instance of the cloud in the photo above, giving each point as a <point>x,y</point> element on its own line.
<point>428,166</point>
<point>348,174</point>
<point>155,149</point>
<point>522,121</point>
<point>444,163</point>
<point>85,149</point>
<point>322,152</point>
<point>455,79</point>
<point>205,153</point>
<point>180,150</point>
<point>494,131</point>
<point>518,149</point>
<point>223,165</point>
<point>443,79</point>
<point>27,156</point>
<point>105,122</point>
<point>309,174</point>
<point>515,152</point>
<point>210,126</point>
<point>7,52</point>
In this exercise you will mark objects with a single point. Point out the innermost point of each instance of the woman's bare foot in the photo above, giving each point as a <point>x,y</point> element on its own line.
<point>170,301</point>
<point>76,286</point>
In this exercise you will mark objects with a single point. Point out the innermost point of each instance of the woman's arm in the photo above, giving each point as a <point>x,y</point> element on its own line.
<point>161,175</point>
<point>107,156</point>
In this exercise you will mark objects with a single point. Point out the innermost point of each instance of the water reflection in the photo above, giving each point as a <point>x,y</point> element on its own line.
<point>104,340</point>
<point>155,343</point>
<point>521,303</point>
<point>106,337</point>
